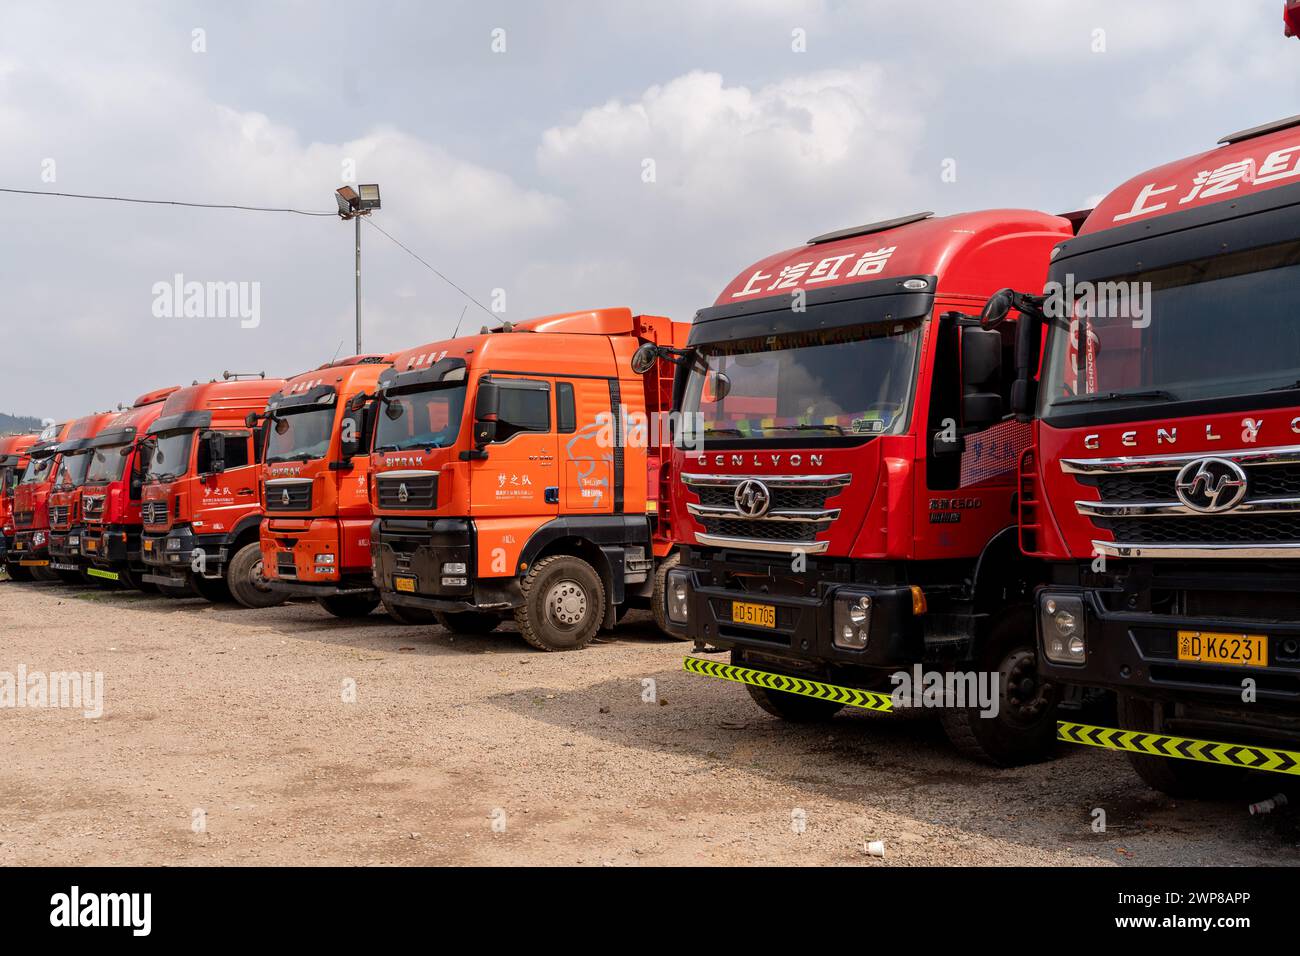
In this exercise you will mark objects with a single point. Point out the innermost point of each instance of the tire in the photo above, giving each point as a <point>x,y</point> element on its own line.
<point>410,616</point>
<point>131,579</point>
<point>244,578</point>
<point>1024,730</point>
<point>564,604</point>
<point>348,605</point>
<point>1178,778</point>
<point>468,622</point>
<point>212,589</point>
<point>71,577</point>
<point>660,593</point>
<point>43,573</point>
<point>795,708</point>
<point>175,592</point>
<point>17,572</point>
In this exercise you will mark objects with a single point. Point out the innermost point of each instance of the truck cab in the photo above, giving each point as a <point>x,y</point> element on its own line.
<point>315,535</point>
<point>13,460</point>
<point>200,505</point>
<point>519,472</point>
<point>64,505</point>
<point>846,475</point>
<point>1163,489</point>
<point>111,495</point>
<point>31,546</point>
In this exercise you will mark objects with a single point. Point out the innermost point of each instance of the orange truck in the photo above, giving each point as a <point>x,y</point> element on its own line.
<point>111,494</point>
<point>64,504</point>
<point>31,548</point>
<point>315,495</point>
<point>522,472</point>
<point>13,459</point>
<point>200,506</point>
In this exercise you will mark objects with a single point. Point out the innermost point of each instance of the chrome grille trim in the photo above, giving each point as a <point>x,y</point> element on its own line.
<point>1119,549</point>
<point>716,511</point>
<point>762,544</point>
<point>1151,509</point>
<point>1288,455</point>
<point>772,481</point>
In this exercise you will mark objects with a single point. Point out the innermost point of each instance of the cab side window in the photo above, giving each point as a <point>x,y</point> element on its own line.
<point>525,406</point>
<point>237,450</point>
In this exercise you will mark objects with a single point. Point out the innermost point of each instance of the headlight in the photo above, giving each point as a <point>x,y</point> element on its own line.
<point>454,567</point>
<point>324,559</point>
<point>852,621</point>
<point>677,597</point>
<point>38,538</point>
<point>455,582</point>
<point>1062,620</point>
<point>323,569</point>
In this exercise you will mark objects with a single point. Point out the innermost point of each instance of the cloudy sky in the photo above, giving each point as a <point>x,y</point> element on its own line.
<point>545,155</point>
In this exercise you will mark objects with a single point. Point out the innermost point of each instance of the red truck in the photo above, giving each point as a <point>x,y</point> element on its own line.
<point>112,491</point>
<point>31,547</point>
<point>13,460</point>
<point>1163,488</point>
<point>315,489</point>
<point>521,472</point>
<point>64,504</point>
<point>846,478</point>
<point>201,510</point>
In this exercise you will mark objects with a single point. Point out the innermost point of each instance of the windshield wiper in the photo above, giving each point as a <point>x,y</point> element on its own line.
<point>1152,393</point>
<point>807,428</point>
<point>301,456</point>
<point>724,431</point>
<point>1294,386</point>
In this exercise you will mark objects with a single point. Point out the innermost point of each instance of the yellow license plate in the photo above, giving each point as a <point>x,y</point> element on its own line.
<point>1212,647</point>
<point>405,584</point>
<point>19,546</point>
<point>148,545</point>
<point>758,615</point>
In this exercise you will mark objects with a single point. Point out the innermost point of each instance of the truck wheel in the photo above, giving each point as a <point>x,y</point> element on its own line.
<point>17,572</point>
<point>43,573</point>
<point>212,589</point>
<point>1178,778</point>
<point>244,574</point>
<point>468,622</point>
<point>413,616</point>
<point>176,592</point>
<point>796,708</point>
<point>70,577</point>
<point>1024,729</point>
<point>564,604</point>
<point>348,605</point>
<point>660,595</point>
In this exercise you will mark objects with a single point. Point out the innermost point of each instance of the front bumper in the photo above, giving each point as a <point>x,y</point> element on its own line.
<point>65,549</point>
<point>804,619</point>
<point>407,556</point>
<point>31,548</point>
<point>291,549</point>
<point>111,545</point>
<point>180,551</point>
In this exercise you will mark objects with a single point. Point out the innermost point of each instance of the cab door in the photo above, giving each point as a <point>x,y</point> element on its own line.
<point>588,444</point>
<point>518,478</point>
<point>226,496</point>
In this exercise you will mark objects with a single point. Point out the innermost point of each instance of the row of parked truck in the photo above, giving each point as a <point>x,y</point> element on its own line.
<point>1063,451</point>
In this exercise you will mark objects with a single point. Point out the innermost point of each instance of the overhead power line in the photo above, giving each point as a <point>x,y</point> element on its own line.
<point>422,262</point>
<point>168,202</point>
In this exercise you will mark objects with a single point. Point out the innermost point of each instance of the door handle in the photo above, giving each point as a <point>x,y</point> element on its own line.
<point>245,491</point>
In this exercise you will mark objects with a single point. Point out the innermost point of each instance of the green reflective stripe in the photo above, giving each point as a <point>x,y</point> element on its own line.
<point>98,573</point>
<point>849,696</point>
<point>1181,748</point>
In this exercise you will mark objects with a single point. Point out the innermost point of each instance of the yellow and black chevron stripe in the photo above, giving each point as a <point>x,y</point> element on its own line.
<point>850,696</point>
<point>1183,748</point>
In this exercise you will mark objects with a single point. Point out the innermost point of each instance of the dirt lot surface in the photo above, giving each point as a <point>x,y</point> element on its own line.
<point>234,723</point>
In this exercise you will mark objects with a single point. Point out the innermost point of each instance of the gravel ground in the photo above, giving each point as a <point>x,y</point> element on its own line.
<point>225,738</point>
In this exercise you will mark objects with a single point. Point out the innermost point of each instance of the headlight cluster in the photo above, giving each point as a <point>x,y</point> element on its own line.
<point>455,574</point>
<point>852,621</point>
<point>173,544</point>
<point>677,597</point>
<point>1064,637</point>
<point>38,538</point>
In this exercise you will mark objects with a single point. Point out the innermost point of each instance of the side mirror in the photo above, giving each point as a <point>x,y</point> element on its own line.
<point>358,401</point>
<point>645,358</point>
<point>997,308</point>
<point>1029,346</point>
<point>982,403</point>
<point>485,433</point>
<point>719,386</point>
<point>216,451</point>
<point>394,410</point>
<point>488,404</point>
<point>251,419</point>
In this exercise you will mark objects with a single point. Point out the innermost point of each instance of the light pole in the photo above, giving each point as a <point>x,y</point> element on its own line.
<point>353,204</point>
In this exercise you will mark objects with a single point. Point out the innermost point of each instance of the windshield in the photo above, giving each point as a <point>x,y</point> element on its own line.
<point>106,464</point>
<point>37,470</point>
<point>300,435</point>
<point>427,419</point>
<point>855,381</point>
<point>72,470</point>
<point>170,457</point>
<point>1206,329</point>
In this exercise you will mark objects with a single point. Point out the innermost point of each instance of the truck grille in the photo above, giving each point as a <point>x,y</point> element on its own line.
<point>92,507</point>
<point>23,519</point>
<point>407,489</point>
<point>288,494</point>
<point>154,512</point>
<point>284,565</point>
<point>1142,506</point>
<point>765,512</point>
<point>59,517</point>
